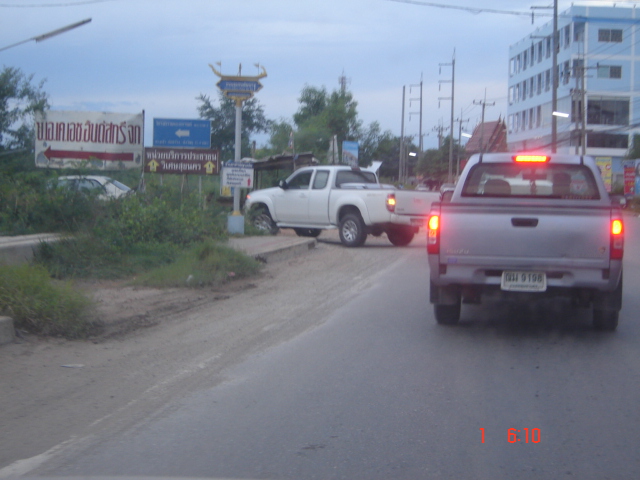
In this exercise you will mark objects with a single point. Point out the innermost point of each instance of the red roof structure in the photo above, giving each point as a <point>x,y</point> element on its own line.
<point>488,137</point>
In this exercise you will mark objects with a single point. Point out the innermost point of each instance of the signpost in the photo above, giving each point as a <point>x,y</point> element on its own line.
<point>169,132</point>
<point>237,175</point>
<point>238,88</point>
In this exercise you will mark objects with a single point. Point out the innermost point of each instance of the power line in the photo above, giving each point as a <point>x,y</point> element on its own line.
<point>474,10</point>
<point>44,5</point>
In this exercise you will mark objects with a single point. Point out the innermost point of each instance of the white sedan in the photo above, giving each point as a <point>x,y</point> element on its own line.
<point>106,188</point>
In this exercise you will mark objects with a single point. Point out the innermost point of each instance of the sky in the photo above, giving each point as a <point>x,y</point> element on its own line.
<point>153,55</point>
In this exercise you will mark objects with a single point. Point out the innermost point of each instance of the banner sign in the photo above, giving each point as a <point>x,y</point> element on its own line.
<point>629,177</point>
<point>181,161</point>
<point>98,140</point>
<point>237,175</point>
<point>604,165</point>
<point>350,153</point>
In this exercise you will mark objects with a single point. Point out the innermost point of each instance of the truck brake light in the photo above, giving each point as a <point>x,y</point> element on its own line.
<point>391,202</point>
<point>616,249</point>
<point>433,234</point>
<point>531,158</point>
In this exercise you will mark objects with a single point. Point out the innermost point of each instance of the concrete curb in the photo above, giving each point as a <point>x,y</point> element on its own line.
<point>272,249</point>
<point>17,250</point>
<point>7,331</point>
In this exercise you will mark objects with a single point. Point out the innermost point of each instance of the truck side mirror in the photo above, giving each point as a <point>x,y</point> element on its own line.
<point>283,184</point>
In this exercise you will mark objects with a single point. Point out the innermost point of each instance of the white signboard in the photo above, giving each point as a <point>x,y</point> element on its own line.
<point>237,175</point>
<point>97,140</point>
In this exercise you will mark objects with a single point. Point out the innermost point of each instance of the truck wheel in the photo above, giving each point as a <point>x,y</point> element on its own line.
<point>352,232</point>
<point>447,314</point>
<point>263,221</point>
<point>307,232</point>
<point>400,237</point>
<point>605,320</point>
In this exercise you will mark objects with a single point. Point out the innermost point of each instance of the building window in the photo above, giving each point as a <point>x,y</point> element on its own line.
<point>525,59</point>
<point>607,140</point>
<point>566,73</point>
<point>538,115</point>
<point>608,111</point>
<point>609,71</point>
<point>524,90</point>
<point>547,80</point>
<point>548,47</point>
<point>532,54</point>
<point>567,36</point>
<point>578,32</point>
<point>532,88</point>
<point>609,35</point>
<point>539,52</point>
<point>531,119</point>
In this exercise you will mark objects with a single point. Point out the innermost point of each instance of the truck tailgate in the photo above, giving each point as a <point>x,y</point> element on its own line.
<point>511,235</point>
<point>414,202</point>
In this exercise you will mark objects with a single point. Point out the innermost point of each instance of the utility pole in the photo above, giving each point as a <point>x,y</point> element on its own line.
<point>452,81</point>
<point>416,113</point>
<point>459,120</point>
<point>401,159</point>
<point>484,105</point>
<point>554,90</point>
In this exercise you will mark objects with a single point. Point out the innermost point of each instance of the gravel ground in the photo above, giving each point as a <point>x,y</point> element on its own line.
<point>158,345</point>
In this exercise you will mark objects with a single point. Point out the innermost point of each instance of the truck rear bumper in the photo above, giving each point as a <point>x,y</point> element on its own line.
<point>558,276</point>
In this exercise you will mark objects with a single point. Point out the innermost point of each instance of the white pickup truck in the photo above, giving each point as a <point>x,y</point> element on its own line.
<point>526,226</point>
<point>351,199</point>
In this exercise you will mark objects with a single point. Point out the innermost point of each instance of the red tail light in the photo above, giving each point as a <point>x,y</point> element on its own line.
<point>391,202</point>
<point>616,249</point>
<point>433,234</point>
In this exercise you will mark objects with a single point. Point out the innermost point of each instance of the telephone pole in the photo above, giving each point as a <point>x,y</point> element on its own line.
<point>452,81</point>
<point>484,105</point>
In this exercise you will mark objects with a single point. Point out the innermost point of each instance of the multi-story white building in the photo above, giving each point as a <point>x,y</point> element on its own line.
<point>598,67</point>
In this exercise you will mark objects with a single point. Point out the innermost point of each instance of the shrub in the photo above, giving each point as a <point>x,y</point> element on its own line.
<point>39,305</point>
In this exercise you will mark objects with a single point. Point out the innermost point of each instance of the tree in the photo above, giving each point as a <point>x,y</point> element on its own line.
<point>19,101</point>
<point>321,116</point>
<point>223,123</point>
<point>382,146</point>
<point>435,162</point>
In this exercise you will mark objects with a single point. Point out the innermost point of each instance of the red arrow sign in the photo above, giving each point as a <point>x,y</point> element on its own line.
<point>82,155</point>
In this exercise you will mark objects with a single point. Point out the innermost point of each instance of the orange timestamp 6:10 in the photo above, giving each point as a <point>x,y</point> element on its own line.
<point>527,435</point>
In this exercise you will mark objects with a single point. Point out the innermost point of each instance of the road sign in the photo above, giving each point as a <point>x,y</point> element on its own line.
<point>239,85</point>
<point>181,133</point>
<point>181,161</point>
<point>237,175</point>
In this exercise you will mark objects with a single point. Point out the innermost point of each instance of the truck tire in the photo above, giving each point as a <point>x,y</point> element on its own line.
<point>307,232</point>
<point>605,320</point>
<point>447,314</point>
<point>606,308</point>
<point>400,237</point>
<point>352,233</point>
<point>263,221</point>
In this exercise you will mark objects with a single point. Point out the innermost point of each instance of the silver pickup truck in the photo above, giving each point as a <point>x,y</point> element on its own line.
<point>526,226</point>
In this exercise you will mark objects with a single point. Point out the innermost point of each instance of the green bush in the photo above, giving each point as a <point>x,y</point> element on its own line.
<point>207,264</point>
<point>42,306</point>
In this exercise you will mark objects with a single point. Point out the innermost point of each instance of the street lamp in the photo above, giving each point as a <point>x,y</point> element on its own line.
<point>48,35</point>
<point>560,114</point>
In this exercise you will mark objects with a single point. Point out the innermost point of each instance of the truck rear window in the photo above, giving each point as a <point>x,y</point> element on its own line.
<point>355,176</point>
<point>575,182</point>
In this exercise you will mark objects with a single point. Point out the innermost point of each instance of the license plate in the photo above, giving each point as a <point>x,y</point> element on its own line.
<point>524,281</point>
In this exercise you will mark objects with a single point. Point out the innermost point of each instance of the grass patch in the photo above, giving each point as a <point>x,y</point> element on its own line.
<point>43,306</point>
<point>207,264</point>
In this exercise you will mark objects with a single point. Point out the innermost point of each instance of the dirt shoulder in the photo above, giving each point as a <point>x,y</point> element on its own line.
<point>161,344</point>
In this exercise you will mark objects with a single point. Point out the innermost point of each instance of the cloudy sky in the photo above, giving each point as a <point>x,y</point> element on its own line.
<point>153,55</point>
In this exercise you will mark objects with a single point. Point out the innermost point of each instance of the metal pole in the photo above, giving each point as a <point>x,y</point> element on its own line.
<point>401,160</point>
<point>237,156</point>
<point>554,90</point>
<point>453,82</point>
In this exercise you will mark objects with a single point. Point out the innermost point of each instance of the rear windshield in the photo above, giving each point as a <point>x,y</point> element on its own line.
<point>574,182</point>
<point>355,176</point>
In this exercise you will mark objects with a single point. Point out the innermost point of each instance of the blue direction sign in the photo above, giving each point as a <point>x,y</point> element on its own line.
<point>239,85</point>
<point>179,133</point>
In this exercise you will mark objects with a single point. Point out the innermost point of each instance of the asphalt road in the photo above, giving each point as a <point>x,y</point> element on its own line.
<point>378,390</point>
